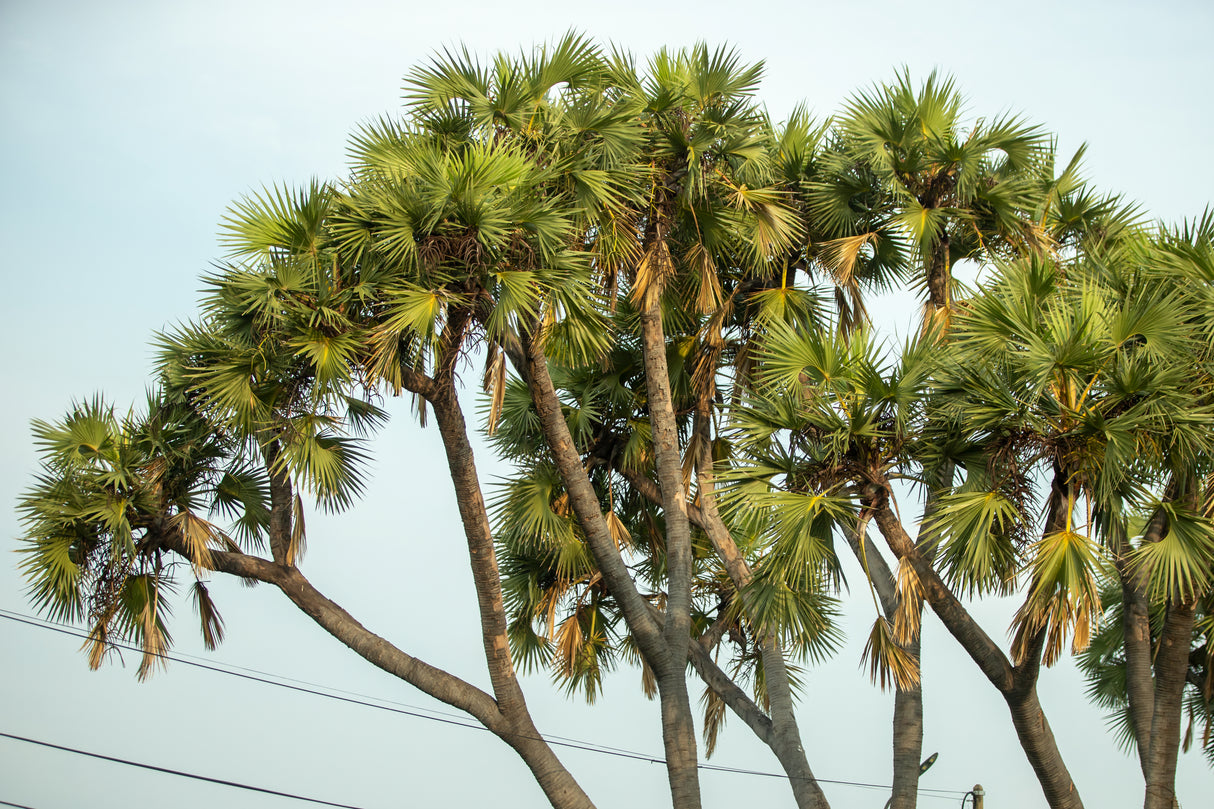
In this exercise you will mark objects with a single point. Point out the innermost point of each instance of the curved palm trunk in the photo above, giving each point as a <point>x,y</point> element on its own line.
<point>677,724</point>
<point>516,730</point>
<point>1017,684</point>
<point>1155,678</point>
<point>1040,748</point>
<point>1171,668</point>
<point>784,737</point>
<point>908,704</point>
<point>481,553</point>
<point>522,735</point>
<point>678,729</point>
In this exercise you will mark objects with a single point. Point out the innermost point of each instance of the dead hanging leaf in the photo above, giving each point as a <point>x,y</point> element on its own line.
<point>299,532</point>
<point>495,385</point>
<point>888,663</point>
<point>649,683</point>
<point>569,642</point>
<point>154,642</point>
<point>208,616</point>
<point>704,271</point>
<point>714,720</point>
<point>98,645</point>
<point>198,535</point>
<point>841,256</point>
<point>910,605</point>
<point>154,473</point>
<point>654,270</point>
<point>619,533</point>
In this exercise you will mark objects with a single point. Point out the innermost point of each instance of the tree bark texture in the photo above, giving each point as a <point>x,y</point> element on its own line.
<point>785,740</point>
<point>678,727</point>
<point>1171,670</point>
<point>557,783</point>
<point>1016,684</point>
<point>1136,629</point>
<point>481,553</point>
<point>908,705</point>
<point>677,723</point>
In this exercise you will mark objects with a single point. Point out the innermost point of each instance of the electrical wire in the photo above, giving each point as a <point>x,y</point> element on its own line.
<point>181,773</point>
<point>353,698</point>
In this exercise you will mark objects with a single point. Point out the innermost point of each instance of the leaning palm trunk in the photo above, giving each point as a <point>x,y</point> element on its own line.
<point>512,724</point>
<point>558,784</point>
<point>1016,684</point>
<point>1155,678</point>
<point>677,723</point>
<point>785,736</point>
<point>908,702</point>
<point>678,730</point>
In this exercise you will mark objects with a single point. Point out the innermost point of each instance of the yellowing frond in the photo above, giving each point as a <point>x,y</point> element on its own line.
<point>1063,597</point>
<point>888,663</point>
<point>655,269</point>
<point>495,386</point>
<point>299,532</point>
<point>910,605</point>
<point>619,534</point>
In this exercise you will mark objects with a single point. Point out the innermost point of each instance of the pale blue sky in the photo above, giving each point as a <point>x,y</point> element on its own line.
<point>127,129</point>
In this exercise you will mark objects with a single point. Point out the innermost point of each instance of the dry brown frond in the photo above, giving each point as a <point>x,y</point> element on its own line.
<point>299,532</point>
<point>619,534</point>
<point>154,473</point>
<point>98,645</point>
<point>197,534</point>
<point>654,270</point>
<point>704,270</point>
<point>888,663</point>
<point>649,683</point>
<point>840,256</point>
<point>910,605</point>
<point>714,720</point>
<point>569,641</point>
<point>208,615</point>
<point>495,385</point>
<point>155,644</point>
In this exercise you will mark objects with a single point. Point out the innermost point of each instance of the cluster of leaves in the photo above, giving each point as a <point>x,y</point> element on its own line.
<point>555,198</point>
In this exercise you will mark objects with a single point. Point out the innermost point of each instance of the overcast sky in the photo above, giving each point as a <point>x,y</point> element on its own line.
<point>128,128</point>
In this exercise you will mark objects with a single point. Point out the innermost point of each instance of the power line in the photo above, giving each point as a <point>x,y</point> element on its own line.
<point>313,689</point>
<point>171,771</point>
<point>15,805</point>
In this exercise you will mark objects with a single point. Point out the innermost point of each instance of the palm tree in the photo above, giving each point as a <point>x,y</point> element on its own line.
<point>954,192</point>
<point>688,212</point>
<point>1084,369</point>
<point>1162,541</point>
<point>279,375</point>
<point>1039,371</point>
<point>901,192</point>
